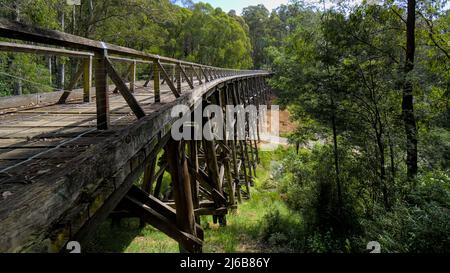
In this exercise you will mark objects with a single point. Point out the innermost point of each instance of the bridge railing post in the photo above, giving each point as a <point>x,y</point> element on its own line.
<point>173,73</point>
<point>101,90</point>
<point>133,77</point>
<point>87,79</point>
<point>178,77</point>
<point>156,81</point>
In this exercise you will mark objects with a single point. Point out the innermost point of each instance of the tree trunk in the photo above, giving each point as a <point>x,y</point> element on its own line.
<point>380,144</point>
<point>16,15</point>
<point>336,156</point>
<point>18,87</point>
<point>85,24</point>
<point>391,154</point>
<point>408,99</point>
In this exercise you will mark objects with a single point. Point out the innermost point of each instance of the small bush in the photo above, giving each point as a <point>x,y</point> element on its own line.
<point>282,232</point>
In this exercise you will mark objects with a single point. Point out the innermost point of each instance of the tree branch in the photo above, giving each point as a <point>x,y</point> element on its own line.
<point>431,35</point>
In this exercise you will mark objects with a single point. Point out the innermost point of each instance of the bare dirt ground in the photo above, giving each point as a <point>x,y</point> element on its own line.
<point>285,127</point>
<point>286,124</point>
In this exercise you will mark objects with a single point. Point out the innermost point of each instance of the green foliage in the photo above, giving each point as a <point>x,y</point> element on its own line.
<point>25,70</point>
<point>311,191</point>
<point>199,34</point>
<point>213,37</point>
<point>419,224</point>
<point>256,18</point>
<point>282,232</point>
<point>435,149</point>
<point>43,13</point>
<point>340,72</point>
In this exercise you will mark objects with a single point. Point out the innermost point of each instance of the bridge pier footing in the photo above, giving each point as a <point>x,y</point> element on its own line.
<point>184,206</point>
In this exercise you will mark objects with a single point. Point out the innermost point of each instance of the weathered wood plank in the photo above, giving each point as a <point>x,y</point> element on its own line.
<point>211,211</point>
<point>14,47</point>
<point>87,79</point>
<point>179,173</point>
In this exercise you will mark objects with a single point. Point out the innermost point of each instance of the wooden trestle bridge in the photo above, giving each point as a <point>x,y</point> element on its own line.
<point>70,159</point>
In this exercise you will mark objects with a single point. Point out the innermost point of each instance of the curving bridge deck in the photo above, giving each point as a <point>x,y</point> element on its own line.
<point>70,159</point>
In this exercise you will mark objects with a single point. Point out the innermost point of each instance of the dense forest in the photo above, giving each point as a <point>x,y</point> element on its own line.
<point>373,81</point>
<point>366,83</point>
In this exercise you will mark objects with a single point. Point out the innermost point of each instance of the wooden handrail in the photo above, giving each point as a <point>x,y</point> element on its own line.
<point>23,48</point>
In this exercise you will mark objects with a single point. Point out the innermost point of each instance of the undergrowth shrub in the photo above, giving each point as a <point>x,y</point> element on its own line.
<point>417,222</point>
<point>282,232</point>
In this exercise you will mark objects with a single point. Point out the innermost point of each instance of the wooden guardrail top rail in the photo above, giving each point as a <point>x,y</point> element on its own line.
<point>14,47</point>
<point>20,31</point>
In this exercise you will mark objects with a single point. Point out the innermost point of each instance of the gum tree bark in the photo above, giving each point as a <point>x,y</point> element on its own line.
<point>409,118</point>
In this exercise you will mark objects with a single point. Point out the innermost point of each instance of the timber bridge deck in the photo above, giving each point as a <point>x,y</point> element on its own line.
<point>69,159</point>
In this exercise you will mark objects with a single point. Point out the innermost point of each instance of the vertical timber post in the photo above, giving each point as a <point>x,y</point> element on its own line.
<point>230,182</point>
<point>156,81</point>
<point>101,91</point>
<point>147,184</point>
<point>178,77</point>
<point>149,173</point>
<point>87,79</point>
<point>239,101</point>
<point>133,77</point>
<point>185,218</point>
<point>255,135</point>
<point>213,166</point>
<point>193,156</point>
<point>191,75</point>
